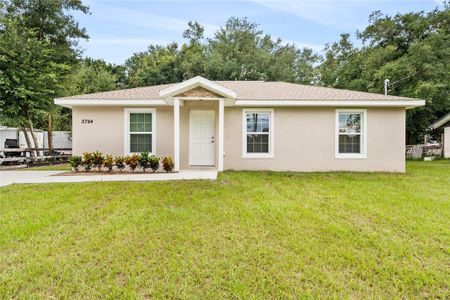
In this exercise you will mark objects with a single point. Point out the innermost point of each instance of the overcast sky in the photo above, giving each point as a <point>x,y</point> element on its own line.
<point>118,28</point>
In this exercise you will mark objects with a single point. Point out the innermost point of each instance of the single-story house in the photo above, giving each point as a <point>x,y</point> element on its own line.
<point>444,123</point>
<point>246,125</point>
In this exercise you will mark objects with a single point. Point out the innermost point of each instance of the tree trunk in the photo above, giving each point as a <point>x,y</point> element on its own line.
<point>50,134</point>
<point>33,136</point>
<point>27,139</point>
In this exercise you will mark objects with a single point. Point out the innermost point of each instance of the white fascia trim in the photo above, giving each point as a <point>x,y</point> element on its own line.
<point>334,103</point>
<point>363,154</point>
<point>195,82</point>
<point>108,102</point>
<point>126,128</point>
<point>271,134</point>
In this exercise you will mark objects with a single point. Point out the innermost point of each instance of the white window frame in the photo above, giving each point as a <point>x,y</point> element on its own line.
<point>271,133</point>
<point>127,112</point>
<point>363,134</point>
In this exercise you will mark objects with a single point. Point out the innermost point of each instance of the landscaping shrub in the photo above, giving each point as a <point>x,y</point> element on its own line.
<point>87,161</point>
<point>97,160</point>
<point>120,162</point>
<point>144,161</point>
<point>167,163</point>
<point>75,162</point>
<point>108,162</point>
<point>154,163</point>
<point>132,161</point>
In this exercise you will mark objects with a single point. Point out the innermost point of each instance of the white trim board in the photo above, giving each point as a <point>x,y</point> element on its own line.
<point>363,135</point>
<point>271,133</point>
<point>108,102</point>
<point>331,103</point>
<point>126,128</point>
<point>196,82</point>
<point>245,103</point>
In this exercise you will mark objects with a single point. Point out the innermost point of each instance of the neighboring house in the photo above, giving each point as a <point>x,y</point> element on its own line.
<point>444,123</point>
<point>246,125</point>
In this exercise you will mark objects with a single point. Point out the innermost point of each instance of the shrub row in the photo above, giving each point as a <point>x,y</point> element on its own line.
<point>97,160</point>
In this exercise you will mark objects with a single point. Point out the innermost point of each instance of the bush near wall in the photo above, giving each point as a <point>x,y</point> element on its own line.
<point>134,161</point>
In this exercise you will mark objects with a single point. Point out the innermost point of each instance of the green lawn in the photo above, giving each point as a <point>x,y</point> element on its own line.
<point>246,235</point>
<point>56,167</point>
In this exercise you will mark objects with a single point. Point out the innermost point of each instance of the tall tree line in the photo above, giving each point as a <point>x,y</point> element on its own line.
<point>412,50</point>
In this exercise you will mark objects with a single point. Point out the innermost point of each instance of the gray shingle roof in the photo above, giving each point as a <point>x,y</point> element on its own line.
<point>250,90</point>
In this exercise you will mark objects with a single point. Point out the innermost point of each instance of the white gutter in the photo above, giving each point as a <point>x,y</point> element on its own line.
<point>250,103</point>
<point>109,102</point>
<point>333,103</point>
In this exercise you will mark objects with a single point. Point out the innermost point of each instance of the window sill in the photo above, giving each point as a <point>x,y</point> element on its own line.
<point>257,156</point>
<point>350,156</point>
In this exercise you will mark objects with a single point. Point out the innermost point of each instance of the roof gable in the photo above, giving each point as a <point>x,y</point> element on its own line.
<point>198,92</point>
<point>198,81</point>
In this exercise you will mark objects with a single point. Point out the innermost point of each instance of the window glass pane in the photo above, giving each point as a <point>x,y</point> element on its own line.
<point>349,143</point>
<point>140,142</point>
<point>349,123</point>
<point>257,143</point>
<point>258,122</point>
<point>141,122</point>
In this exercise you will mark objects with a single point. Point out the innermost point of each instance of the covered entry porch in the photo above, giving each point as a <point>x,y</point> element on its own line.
<point>198,122</point>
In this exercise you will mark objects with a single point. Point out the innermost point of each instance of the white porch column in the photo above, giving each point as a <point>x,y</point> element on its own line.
<point>176,134</point>
<point>221,134</point>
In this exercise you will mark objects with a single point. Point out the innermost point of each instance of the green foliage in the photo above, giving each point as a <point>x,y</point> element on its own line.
<point>87,161</point>
<point>37,51</point>
<point>119,161</point>
<point>238,51</point>
<point>132,161</point>
<point>95,75</point>
<point>97,160</point>
<point>144,161</point>
<point>154,163</point>
<point>108,162</point>
<point>75,162</point>
<point>412,50</point>
<point>168,163</point>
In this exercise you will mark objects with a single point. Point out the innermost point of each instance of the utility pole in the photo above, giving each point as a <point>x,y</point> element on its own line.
<point>386,85</point>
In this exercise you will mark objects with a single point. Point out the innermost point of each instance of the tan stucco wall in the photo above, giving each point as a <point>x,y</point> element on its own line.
<point>304,140</point>
<point>106,133</point>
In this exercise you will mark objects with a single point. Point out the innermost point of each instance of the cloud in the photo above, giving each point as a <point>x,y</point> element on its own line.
<point>145,19</point>
<point>340,14</point>
<point>313,46</point>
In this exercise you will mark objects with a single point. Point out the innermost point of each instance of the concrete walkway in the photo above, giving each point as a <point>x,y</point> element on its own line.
<point>11,177</point>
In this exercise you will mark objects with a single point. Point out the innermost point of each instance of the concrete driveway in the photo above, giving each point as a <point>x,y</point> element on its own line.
<point>12,177</point>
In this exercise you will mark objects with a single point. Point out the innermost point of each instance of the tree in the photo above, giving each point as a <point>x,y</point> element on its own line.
<point>38,49</point>
<point>238,51</point>
<point>193,55</point>
<point>412,50</point>
<point>157,65</point>
<point>93,75</point>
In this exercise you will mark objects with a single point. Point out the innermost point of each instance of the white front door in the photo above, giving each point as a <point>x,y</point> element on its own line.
<point>201,137</point>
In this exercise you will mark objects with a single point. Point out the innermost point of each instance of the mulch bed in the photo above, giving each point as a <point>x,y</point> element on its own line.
<point>114,172</point>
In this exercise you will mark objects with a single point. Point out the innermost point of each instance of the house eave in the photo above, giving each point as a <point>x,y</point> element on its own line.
<point>110,102</point>
<point>331,103</point>
<point>245,103</point>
